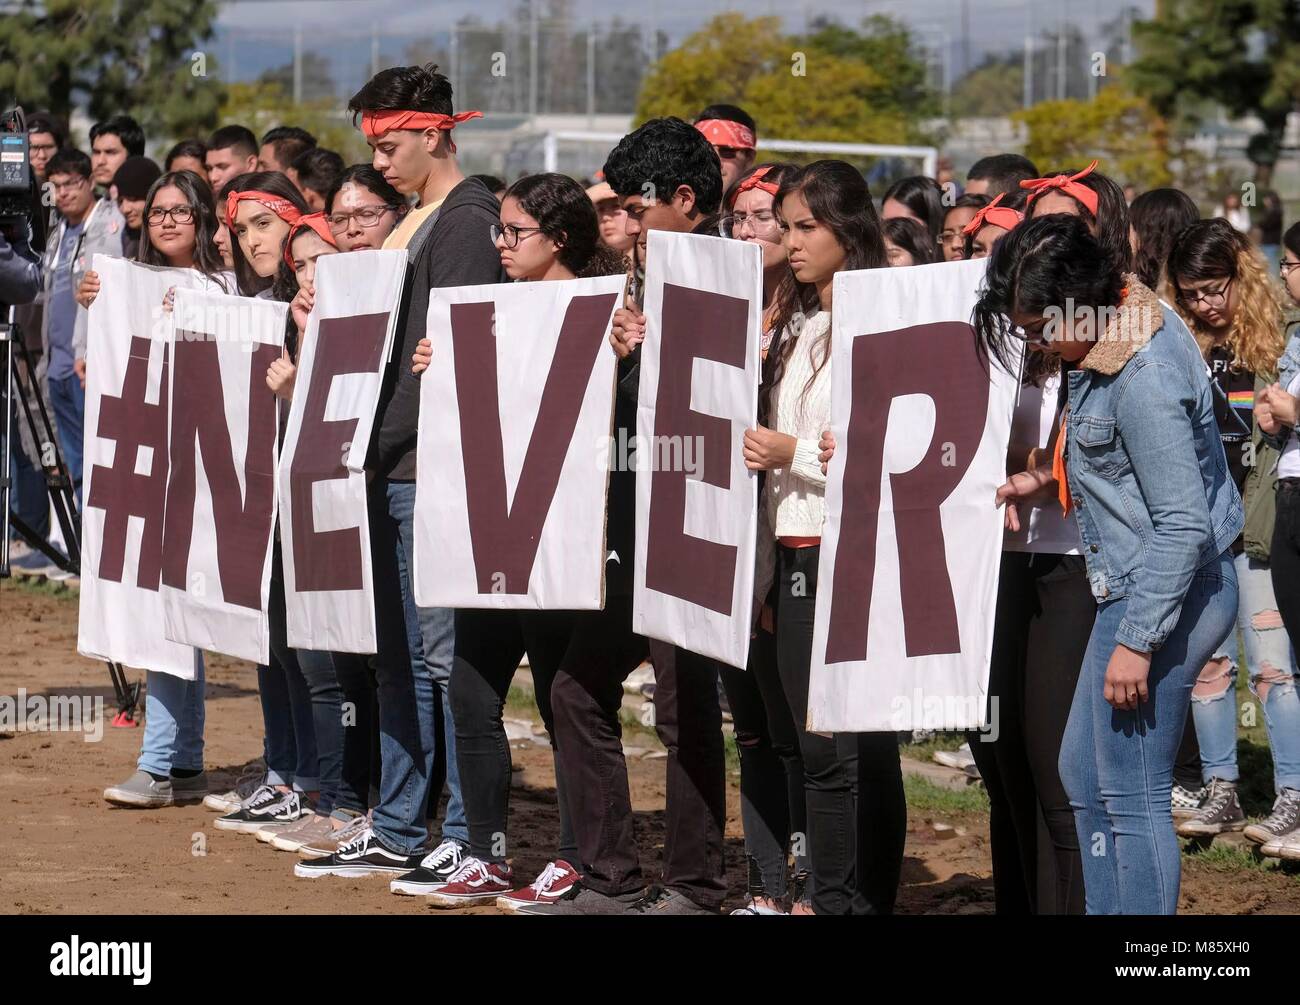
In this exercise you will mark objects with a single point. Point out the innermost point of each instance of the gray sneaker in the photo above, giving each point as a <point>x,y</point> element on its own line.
<point>190,790</point>
<point>581,901</point>
<point>1284,819</point>
<point>661,900</point>
<point>1221,812</point>
<point>141,791</point>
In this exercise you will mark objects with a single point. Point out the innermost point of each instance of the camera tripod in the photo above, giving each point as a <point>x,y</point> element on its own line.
<point>19,387</point>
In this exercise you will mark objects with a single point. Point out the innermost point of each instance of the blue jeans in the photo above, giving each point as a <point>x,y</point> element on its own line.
<point>412,669</point>
<point>1117,766</point>
<point>1270,659</point>
<point>173,722</point>
<point>28,498</point>
<point>68,401</point>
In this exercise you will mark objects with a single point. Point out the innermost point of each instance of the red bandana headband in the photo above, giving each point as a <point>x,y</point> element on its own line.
<point>994,215</point>
<point>1069,184</point>
<point>725,133</point>
<point>312,221</point>
<point>375,124</point>
<point>282,208</point>
<point>755,180</point>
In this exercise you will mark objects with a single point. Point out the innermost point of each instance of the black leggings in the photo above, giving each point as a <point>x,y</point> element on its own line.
<point>489,646</point>
<point>771,768</point>
<point>1284,559</point>
<point>1045,611</point>
<point>853,782</point>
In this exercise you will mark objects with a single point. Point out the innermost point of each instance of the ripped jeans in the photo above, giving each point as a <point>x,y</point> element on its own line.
<point>1270,659</point>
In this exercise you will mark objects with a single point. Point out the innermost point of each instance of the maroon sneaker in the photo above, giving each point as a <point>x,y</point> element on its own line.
<point>554,882</point>
<point>475,882</point>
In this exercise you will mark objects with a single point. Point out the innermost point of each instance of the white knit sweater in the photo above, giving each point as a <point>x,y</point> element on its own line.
<point>794,497</point>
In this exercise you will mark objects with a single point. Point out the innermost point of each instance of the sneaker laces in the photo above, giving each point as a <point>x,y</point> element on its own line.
<point>549,875</point>
<point>259,798</point>
<point>357,844</point>
<point>1217,801</point>
<point>1287,803</point>
<point>447,851</point>
<point>470,868</point>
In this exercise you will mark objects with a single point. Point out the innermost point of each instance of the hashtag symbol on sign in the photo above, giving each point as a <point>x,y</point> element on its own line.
<point>132,423</point>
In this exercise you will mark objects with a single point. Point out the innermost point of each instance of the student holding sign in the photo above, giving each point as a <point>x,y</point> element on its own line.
<point>1140,463</point>
<point>548,232</point>
<point>179,225</point>
<point>853,783</point>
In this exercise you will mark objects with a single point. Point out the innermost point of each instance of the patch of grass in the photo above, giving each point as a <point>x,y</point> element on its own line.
<point>1223,857</point>
<point>732,753</point>
<point>927,797</point>
<point>520,703</point>
<point>43,586</point>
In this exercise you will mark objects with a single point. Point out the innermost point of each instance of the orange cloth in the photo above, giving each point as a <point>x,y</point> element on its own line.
<point>375,124</point>
<point>313,221</point>
<point>1069,184</point>
<point>1058,471</point>
<point>755,180</point>
<point>725,133</point>
<point>994,215</point>
<point>282,208</point>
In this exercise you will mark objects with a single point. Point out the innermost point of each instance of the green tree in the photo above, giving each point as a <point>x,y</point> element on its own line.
<point>992,89</point>
<point>144,58</point>
<point>263,104</point>
<point>1243,54</point>
<point>833,84</point>
<point>1117,127</point>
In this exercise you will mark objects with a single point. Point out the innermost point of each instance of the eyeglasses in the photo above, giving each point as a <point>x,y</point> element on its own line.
<point>951,237</point>
<point>508,234</point>
<point>42,148</point>
<point>1211,298</point>
<point>1285,267</point>
<point>366,217</point>
<point>761,224</point>
<point>71,185</point>
<point>180,214</point>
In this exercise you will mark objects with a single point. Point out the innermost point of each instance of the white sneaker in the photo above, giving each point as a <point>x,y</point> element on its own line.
<point>961,758</point>
<point>228,802</point>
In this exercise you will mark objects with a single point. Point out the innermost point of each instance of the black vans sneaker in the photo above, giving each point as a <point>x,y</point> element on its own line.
<point>266,806</point>
<point>433,872</point>
<point>364,855</point>
<point>1221,812</point>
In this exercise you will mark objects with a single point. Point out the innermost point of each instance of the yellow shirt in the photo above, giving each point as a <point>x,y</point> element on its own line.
<point>404,231</point>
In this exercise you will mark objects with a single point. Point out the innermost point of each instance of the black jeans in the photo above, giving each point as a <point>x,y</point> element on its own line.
<point>317,672</point>
<point>1045,611</point>
<point>853,782</point>
<point>360,732</point>
<point>771,768</point>
<point>489,646</point>
<point>586,696</point>
<point>1284,559</point>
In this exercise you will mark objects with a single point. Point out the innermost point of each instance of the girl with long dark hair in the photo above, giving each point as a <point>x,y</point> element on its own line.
<point>179,224</point>
<point>1140,462</point>
<point>1155,219</point>
<point>919,198</point>
<point>1222,286</point>
<point>1091,196</point>
<point>857,814</point>
<point>548,231</point>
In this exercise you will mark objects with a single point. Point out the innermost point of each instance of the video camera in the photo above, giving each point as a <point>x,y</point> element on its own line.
<point>17,183</point>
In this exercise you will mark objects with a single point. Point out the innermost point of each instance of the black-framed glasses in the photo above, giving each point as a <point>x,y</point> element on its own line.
<point>1285,267</point>
<point>508,233</point>
<point>181,214</point>
<point>1211,298</point>
<point>366,217</point>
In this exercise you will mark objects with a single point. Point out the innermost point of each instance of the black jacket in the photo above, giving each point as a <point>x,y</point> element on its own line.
<point>453,249</point>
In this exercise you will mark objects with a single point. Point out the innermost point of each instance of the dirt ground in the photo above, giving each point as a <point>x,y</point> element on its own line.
<point>64,850</point>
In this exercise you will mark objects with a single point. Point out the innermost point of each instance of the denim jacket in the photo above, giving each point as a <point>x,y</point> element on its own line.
<point>1148,477</point>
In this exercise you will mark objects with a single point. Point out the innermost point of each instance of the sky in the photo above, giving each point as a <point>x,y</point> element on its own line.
<point>343,24</point>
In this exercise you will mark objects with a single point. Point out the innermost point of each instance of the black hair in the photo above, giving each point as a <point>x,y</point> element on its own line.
<point>565,214</point>
<point>839,199</point>
<point>371,180</point>
<point>660,157</point>
<point>44,122</point>
<point>729,113</point>
<point>187,148</point>
<point>490,181</point>
<point>1158,217</point>
<point>273,183</point>
<point>1291,239</point>
<point>403,88</point>
<point>1003,172</point>
<point>1206,249</point>
<point>125,129</point>
<point>294,133</point>
<point>970,201</point>
<point>237,139</point>
<point>923,196</point>
<point>317,169</point>
<point>1111,218</point>
<point>912,237</point>
<point>1038,267</point>
<point>197,192</point>
<point>68,160</point>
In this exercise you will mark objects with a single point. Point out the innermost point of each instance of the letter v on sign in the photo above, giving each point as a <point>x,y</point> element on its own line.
<point>505,538</point>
